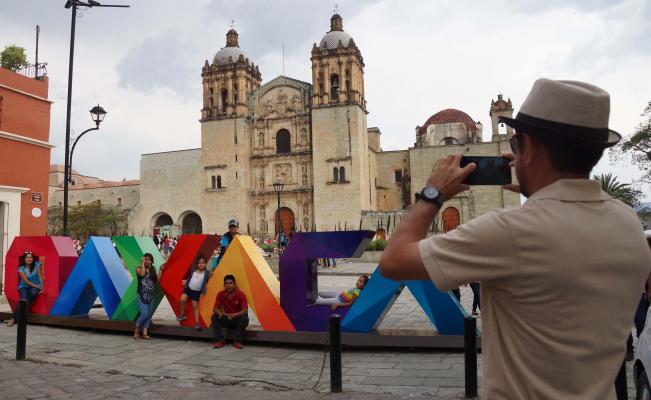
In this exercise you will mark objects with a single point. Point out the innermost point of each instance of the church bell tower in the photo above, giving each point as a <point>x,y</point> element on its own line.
<point>341,163</point>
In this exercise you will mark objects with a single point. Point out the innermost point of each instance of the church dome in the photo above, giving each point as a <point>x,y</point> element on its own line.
<point>331,39</point>
<point>449,116</point>
<point>232,52</point>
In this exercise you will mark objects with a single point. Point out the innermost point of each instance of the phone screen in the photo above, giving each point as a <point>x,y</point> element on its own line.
<point>490,170</point>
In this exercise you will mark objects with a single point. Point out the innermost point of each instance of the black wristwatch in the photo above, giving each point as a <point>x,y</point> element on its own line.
<point>431,195</point>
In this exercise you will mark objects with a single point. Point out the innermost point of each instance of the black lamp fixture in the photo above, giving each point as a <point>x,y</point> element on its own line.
<point>97,113</point>
<point>278,187</point>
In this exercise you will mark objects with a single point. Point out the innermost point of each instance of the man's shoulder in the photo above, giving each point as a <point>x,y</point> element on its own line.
<point>497,216</point>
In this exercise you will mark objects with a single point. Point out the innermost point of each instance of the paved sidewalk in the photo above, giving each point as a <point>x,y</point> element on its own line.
<point>65,363</point>
<point>79,360</point>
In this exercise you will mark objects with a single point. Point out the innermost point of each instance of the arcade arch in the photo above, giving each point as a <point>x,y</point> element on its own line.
<point>191,223</point>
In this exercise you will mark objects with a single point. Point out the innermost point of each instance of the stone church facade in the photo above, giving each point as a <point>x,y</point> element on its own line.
<point>313,139</point>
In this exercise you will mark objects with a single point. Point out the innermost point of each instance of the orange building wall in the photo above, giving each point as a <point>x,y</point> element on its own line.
<point>23,164</point>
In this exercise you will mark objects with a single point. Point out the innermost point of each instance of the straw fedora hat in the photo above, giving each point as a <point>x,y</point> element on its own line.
<point>572,110</point>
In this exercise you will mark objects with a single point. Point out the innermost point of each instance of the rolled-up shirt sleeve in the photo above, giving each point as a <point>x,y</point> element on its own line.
<point>480,250</point>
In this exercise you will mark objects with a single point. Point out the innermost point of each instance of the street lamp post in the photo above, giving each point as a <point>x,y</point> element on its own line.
<point>278,188</point>
<point>73,4</point>
<point>98,114</point>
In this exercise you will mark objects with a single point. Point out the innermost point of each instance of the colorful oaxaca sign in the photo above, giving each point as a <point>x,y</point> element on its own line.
<point>106,269</point>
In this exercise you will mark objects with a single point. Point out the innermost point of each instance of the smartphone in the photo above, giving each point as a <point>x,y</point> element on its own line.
<point>490,170</point>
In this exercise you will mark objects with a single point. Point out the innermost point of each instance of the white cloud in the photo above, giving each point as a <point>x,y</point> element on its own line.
<point>143,64</point>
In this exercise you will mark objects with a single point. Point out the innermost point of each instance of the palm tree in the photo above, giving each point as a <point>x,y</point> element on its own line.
<point>618,190</point>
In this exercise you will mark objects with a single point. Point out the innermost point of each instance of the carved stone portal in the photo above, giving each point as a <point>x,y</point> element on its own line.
<point>283,172</point>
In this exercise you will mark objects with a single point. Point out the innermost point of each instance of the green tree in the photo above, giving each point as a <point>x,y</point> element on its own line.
<point>13,58</point>
<point>89,219</point>
<point>55,221</point>
<point>638,146</point>
<point>618,190</point>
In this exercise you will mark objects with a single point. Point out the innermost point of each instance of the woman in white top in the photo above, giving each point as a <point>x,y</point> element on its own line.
<point>193,289</point>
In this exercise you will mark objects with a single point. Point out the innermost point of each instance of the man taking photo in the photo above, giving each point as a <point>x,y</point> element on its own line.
<point>560,275</point>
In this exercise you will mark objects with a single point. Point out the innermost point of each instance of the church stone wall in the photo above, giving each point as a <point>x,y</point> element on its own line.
<point>125,196</point>
<point>390,191</point>
<point>226,145</point>
<point>340,140</point>
<point>170,184</point>
<point>438,132</point>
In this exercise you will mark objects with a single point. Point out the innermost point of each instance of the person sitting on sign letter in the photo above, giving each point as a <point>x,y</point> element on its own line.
<point>230,312</point>
<point>30,282</point>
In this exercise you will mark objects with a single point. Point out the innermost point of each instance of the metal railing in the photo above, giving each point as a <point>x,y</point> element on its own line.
<point>31,71</point>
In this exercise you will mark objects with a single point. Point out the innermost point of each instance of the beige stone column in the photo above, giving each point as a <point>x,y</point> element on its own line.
<point>315,83</point>
<point>229,88</point>
<point>342,83</point>
<point>325,67</point>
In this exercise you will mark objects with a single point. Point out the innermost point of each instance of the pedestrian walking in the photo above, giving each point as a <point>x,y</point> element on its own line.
<point>476,305</point>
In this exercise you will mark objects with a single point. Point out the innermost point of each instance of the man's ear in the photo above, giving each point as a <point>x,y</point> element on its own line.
<point>530,149</point>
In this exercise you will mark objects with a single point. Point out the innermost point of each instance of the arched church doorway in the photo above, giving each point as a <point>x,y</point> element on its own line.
<point>381,234</point>
<point>287,218</point>
<point>161,222</point>
<point>191,224</point>
<point>451,219</point>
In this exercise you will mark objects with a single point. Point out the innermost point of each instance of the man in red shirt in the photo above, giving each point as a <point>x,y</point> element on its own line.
<point>230,312</point>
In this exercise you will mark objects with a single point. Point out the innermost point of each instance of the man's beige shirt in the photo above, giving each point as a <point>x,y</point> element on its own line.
<point>561,277</point>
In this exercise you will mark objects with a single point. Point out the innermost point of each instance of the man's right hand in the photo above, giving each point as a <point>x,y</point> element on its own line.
<point>448,175</point>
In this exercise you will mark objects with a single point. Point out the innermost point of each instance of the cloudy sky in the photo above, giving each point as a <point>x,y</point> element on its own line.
<point>143,64</point>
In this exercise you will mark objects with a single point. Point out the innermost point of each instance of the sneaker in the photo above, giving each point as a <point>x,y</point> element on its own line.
<point>218,344</point>
<point>237,345</point>
<point>182,318</point>
<point>197,327</point>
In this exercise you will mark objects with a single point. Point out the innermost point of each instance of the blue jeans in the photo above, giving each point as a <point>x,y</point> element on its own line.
<point>29,294</point>
<point>146,310</point>
<point>238,324</point>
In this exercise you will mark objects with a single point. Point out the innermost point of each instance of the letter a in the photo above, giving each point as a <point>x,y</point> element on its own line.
<point>98,272</point>
<point>379,294</point>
